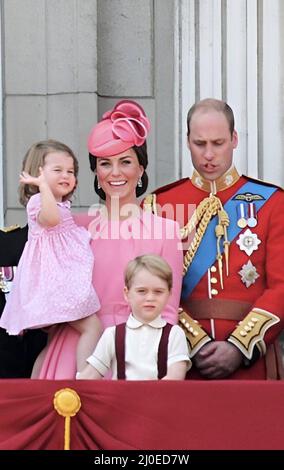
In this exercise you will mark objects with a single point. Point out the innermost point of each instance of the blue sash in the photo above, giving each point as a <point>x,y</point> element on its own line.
<point>207,251</point>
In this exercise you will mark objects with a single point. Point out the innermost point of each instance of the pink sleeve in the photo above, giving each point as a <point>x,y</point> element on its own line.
<point>173,254</point>
<point>33,207</point>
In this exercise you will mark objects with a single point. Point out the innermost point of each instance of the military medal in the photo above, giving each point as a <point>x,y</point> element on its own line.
<point>252,219</point>
<point>248,242</point>
<point>241,213</point>
<point>248,274</point>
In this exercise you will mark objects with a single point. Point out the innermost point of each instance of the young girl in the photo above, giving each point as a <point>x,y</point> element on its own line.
<point>146,347</point>
<point>53,283</point>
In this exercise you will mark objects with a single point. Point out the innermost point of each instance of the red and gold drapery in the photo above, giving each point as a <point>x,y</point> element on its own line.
<point>144,415</point>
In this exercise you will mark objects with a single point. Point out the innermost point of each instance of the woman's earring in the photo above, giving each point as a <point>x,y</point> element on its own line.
<point>97,181</point>
<point>140,184</point>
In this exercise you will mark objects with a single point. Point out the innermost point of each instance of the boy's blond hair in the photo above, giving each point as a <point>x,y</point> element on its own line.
<point>155,264</point>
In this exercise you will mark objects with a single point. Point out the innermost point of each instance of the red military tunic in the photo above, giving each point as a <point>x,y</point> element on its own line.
<point>218,310</point>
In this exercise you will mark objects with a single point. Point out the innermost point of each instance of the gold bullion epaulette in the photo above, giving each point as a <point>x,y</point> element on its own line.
<point>194,333</point>
<point>251,330</point>
<point>11,228</point>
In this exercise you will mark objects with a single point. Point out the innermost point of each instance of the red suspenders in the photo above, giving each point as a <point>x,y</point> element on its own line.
<point>120,350</point>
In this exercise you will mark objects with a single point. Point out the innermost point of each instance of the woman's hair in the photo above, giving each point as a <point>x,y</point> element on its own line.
<point>209,104</point>
<point>142,156</point>
<point>35,158</point>
<point>155,264</point>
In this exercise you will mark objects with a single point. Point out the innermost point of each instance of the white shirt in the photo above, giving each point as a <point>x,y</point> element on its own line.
<point>141,349</point>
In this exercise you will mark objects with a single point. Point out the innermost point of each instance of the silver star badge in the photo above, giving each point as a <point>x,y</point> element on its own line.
<point>248,242</point>
<point>248,274</point>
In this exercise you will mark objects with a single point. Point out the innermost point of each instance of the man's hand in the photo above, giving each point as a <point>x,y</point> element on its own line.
<point>218,359</point>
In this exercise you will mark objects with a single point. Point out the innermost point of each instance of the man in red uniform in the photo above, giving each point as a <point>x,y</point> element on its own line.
<point>233,286</point>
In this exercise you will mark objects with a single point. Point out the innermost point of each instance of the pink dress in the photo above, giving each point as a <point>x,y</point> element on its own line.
<point>53,282</point>
<point>114,244</point>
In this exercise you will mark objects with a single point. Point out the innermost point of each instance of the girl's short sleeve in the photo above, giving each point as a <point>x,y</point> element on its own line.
<point>33,207</point>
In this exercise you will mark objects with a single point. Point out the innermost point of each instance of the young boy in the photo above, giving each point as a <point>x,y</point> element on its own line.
<point>145,347</point>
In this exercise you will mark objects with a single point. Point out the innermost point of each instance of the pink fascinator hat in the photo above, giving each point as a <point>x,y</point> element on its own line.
<point>122,127</point>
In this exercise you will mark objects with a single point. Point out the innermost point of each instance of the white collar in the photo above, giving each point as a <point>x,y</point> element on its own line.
<point>133,323</point>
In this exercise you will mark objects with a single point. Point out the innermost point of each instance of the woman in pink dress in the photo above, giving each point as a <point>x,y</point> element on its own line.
<point>120,229</point>
<point>53,282</point>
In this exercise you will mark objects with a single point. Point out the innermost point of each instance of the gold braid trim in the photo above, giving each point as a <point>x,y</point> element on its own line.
<point>11,228</point>
<point>194,333</point>
<point>250,331</point>
<point>150,203</point>
<point>207,209</point>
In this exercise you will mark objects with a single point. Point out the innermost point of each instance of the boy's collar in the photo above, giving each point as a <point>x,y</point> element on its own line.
<point>133,322</point>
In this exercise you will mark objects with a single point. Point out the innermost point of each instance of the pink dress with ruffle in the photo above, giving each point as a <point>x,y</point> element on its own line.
<point>53,282</point>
